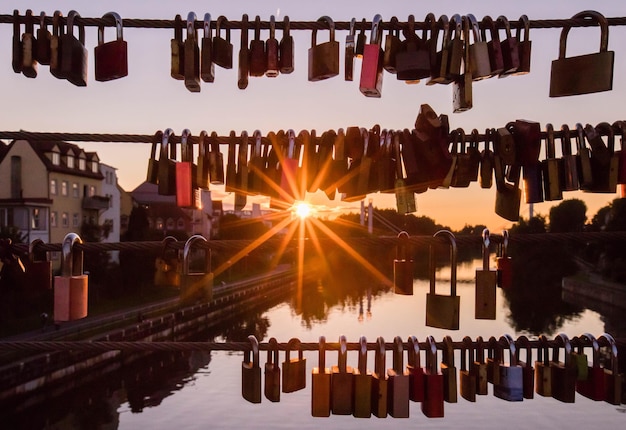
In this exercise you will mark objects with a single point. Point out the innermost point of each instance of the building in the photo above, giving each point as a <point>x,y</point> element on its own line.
<point>51,188</point>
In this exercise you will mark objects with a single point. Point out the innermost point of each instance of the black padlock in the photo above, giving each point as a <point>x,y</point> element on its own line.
<point>192,56</point>
<point>413,61</point>
<point>439,59</point>
<point>207,68</point>
<point>494,46</point>
<point>258,57</point>
<point>272,52</point>
<point>350,52</point>
<point>243,69</point>
<point>177,51</point>
<point>222,48</point>
<point>324,58</point>
<point>510,50</point>
<point>569,165</point>
<point>16,61</point>
<point>44,38</point>
<point>392,45</point>
<point>286,52</point>
<point>551,169</point>
<point>73,52</point>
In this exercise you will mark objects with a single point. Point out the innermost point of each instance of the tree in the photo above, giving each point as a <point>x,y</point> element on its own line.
<point>536,224</point>
<point>568,216</point>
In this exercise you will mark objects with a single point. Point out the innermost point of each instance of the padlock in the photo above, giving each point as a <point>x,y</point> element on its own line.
<point>152,174</point>
<point>442,311</point>
<point>111,58</point>
<point>168,266</point>
<point>310,174</point>
<point>18,52</point>
<point>167,166</point>
<point>272,52</point>
<point>350,52</point>
<point>241,176</point>
<point>478,368</point>
<point>398,388</point>
<point>196,285</point>
<point>324,58</point>
<point>510,48</point>
<point>504,264</point>
<point>191,66</point>
<point>187,193</point>
<point>510,386</point>
<point>177,50</point>
<point>342,381</point>
<point>256,165</point>
<point>414,54</point>
<point>73,52</point>
<point>583,157</point>
<point>604,162</point>
<point>361,40</point>
<point>380,383</point>
<point>56,43</point>
<point>467,379</point>
<point>231,164</point>
<point>290,189</point>
<point>222,48</point>
<point>71,287</point>
<point>456,48</point>
<point>467,160</point>
<point>493,46</point>
<point>328,163</point>
<point>543,373</point>
<point>258,56</point>
<point>613,380</point>
<point>362,384</point>
<point>243,68</point>
<point>486,279</point>
<point>569,164</point>
<point>592,386</point>
<point>524,45</point>
<point>216,161</point>
<point>207,68</point>
<point>286,51</point>
<point>357,140</point>
<point>371,83</point>
<point>432,406</point>
<point>294,369</point>
<point>416,371</point>
<point>479,63</point>
<point>273,169</point>
<point>320,384</point>
<point>392,45</point>
<point>202,170</point>
<point>44,38</point>
<point>583,74</point>
<point>551,169</point>
<point>448,369</point>
<point>29,47</point>
<point>373,152</point>
<point>508,195</point>
<point>38,268</point>
<point>272,372</point>
<point>528,371</point>
<point>474,156</point>
<point>403,266</point>
<point>251,373</point>
<point>386,163</point>
<point>404,192</point>
<point>439,59</point>
<point>504,146</point>
<point>563,372</point>
<point>527,136</point>
<point>339,165</point>
<point>579,359</point>
<point>621,154</point>
<point>462,95</point>
<point>494,358</point>
<point>486,161</point>
<point>533,183</point>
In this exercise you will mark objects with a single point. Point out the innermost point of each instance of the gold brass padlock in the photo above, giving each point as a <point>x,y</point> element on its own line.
<point>29,47</point>
<point>324,58</point>
<point>442,311</point>
<point>320,384</point>
<point>478,52</point>
<point>342,382</point>
<point>177,51</point>
<point>551,169</point>
<point>467,379</point>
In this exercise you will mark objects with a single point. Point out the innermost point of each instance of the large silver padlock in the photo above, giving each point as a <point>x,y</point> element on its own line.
<point>196,284</point>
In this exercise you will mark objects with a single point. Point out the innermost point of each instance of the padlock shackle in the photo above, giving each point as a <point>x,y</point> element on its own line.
<point>473,22</point>
<point>580,137</point>
<point>485,249</point>
<point>331,27</point>
<point>621,126</point>
<point>522,342</point>
<point>178,28</point>
<point>117,22</point>
<point>362,355</point>
<point>206,26</point>
<point>550,151</point>
<point>488,23</point>
<point>607,340</point>
<point>561,339</point>
<point>57,25</point>
<point>187,253</point>
<point>402,245</point>
<point>379,357</point>
<point>255,351</point>
<point>398,351</point>
<point>272,27</point>
<point>71,261</point>
<point>257,28</point>
<point>42,20</point>
<point>594,16</point>
<point>191,25</point>
<point>447,353</point>
<point>605,129</point>
<point>431,355</point>
<point>286,27</point>
<point>186,147</point>
<point>342,359</point>
<point>444,24</point>
<point>543,355</point>
<point>202,143</point>
<point>524,23</point>
<point>457,22</point>
<point>566,141</point>
<point>293,344</point>
<point>165,139</point>
<point>413,352</point>
<point>507,341</point>
<point>32,254</point>
<point>321,361</point>
<point>493,349</point>
<point>70,26</point>
<point>467,347</point>
<point>258,143</point>
<point>589,338</point>
<point>218,23</point>
<point>273,354</point>
<point>453,253</point>
<point>29,22</point>
<point>504,21</point>
<point>480,349</point>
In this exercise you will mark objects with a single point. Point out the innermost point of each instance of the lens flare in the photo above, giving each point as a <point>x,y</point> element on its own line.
<point>303,209</point>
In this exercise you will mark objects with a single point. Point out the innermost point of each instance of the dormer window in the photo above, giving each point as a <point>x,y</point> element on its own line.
<point>94,166</point>
<point>70,161</point>
<point>82,165</point>
<point>56,158</point>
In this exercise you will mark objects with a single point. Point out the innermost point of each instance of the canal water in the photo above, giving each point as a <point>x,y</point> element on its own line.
<point>203,390</point>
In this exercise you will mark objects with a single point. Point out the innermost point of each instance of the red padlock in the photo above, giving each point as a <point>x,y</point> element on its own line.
<point>416,372</point>
<point>111,58</point>
<point>186,196</point>
<point>432,405</point>
<point>593,387</point>
<point>371,84</point>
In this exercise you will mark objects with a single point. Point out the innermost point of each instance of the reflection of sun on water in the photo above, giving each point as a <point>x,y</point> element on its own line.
<point>303,209</point>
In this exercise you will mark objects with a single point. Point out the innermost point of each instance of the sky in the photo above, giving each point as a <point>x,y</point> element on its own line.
<point>149,99</point>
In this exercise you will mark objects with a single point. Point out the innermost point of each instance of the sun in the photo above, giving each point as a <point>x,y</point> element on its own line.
<point>303,209</point>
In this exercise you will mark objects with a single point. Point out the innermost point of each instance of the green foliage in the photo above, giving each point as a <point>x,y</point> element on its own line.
<point>568,216</point>
<point>536,224</point>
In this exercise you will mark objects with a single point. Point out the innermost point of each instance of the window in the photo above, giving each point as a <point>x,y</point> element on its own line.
<point>81,164</point>
<point>38,219</point>
<point>65,221</point>
<point>94,166</point>
<point>75,220</point>
<point>92,190</point>
<point>53,187</point>
<point>75,190</point>
<point>159,224</point>
<point>64,186</point>
<point>70,161</point>
<point>56,158</point>
<point>53,219</point>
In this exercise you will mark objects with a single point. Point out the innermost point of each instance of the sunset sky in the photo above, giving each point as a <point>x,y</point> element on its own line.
<point>149,99</point>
